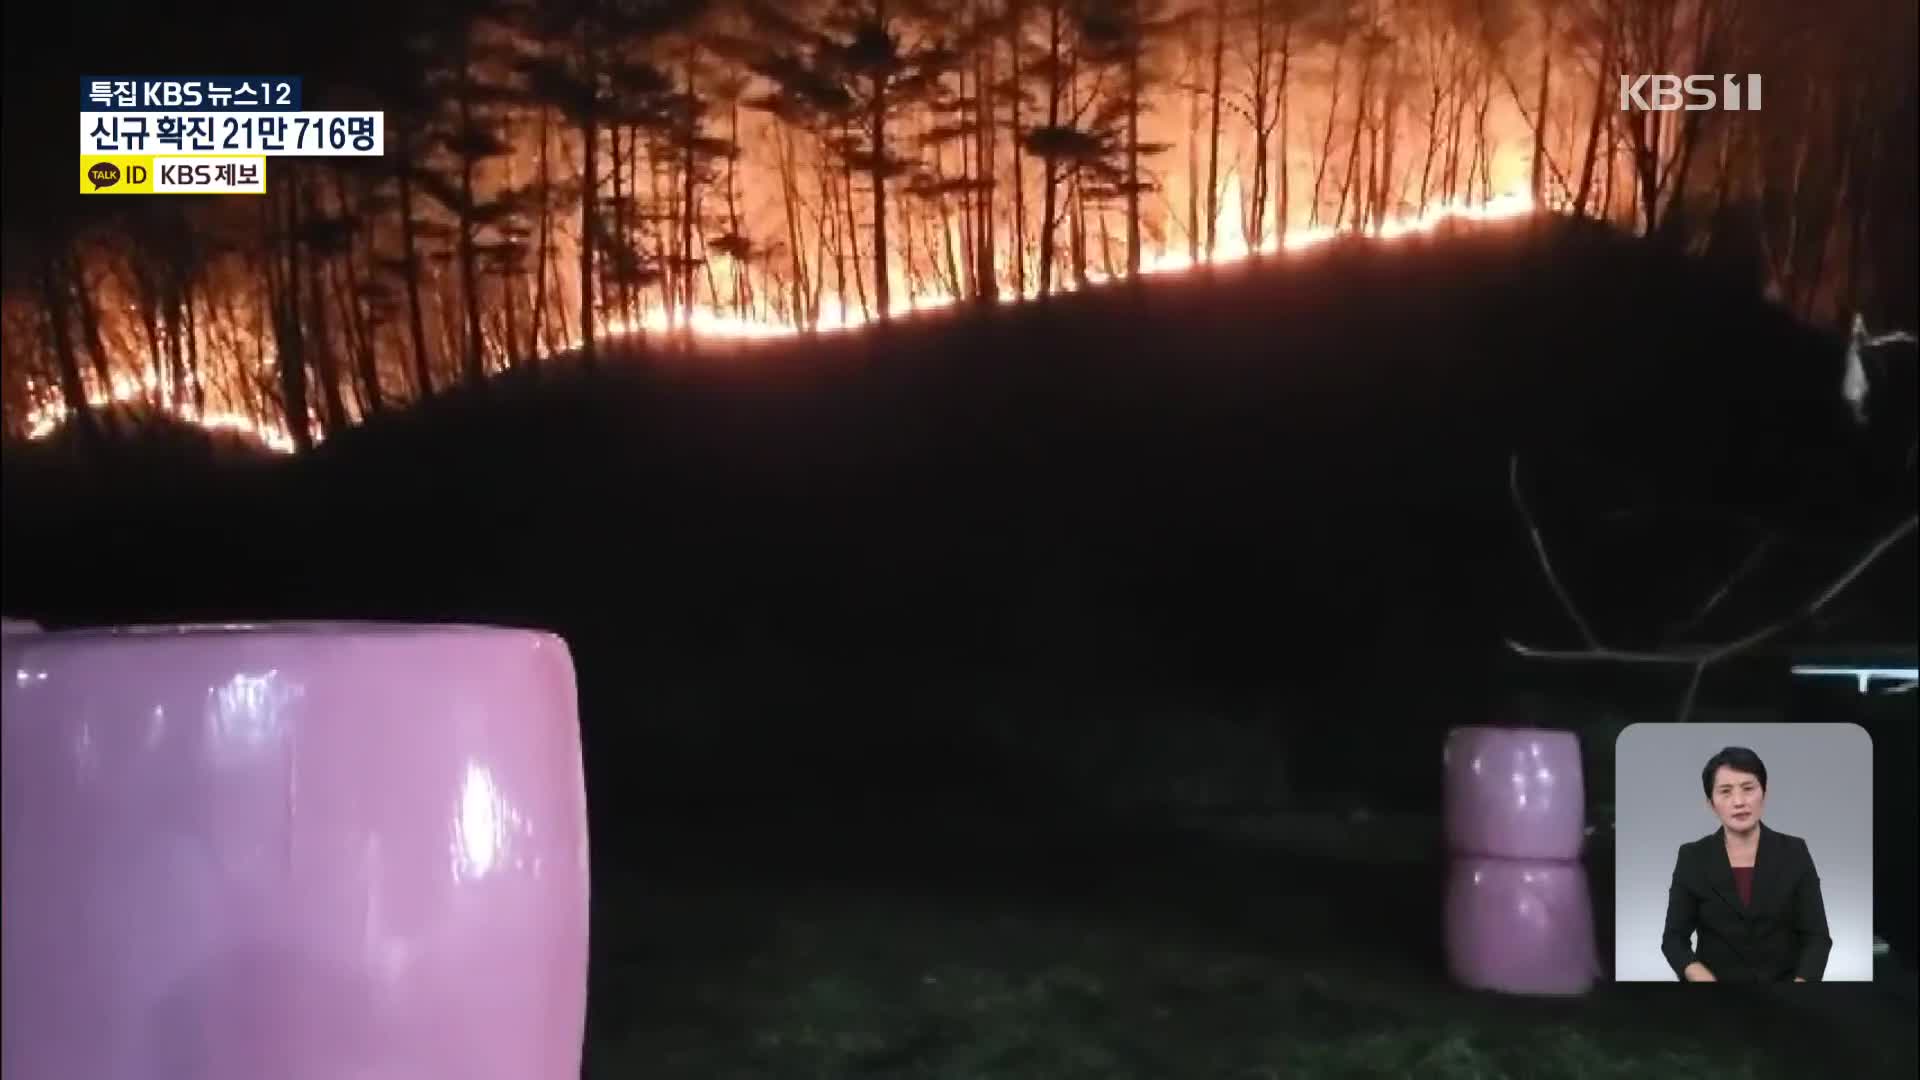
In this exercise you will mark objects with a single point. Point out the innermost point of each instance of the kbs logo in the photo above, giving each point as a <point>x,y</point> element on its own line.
<point>1695,93</point>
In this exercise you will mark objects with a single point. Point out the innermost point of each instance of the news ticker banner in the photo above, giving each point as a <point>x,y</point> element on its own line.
<point>206,135</point>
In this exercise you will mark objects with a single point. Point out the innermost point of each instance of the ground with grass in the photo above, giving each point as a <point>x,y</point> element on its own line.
<point>802,950</point>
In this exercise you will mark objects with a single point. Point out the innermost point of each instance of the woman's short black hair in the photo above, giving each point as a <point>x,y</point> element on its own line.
<point>1737,758</point>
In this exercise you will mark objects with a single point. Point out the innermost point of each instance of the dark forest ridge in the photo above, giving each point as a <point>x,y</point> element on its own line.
<point>1530,318</point>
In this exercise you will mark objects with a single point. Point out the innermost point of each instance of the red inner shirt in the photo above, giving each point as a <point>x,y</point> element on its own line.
<point>1743,884</point>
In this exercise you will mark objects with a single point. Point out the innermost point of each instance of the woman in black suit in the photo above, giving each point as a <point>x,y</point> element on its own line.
<point>1750,893</point>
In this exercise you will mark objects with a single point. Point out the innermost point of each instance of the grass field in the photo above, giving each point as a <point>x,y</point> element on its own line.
<point>855,956</point>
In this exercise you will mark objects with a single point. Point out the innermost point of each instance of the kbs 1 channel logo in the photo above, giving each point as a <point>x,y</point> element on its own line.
<point>206,135</point>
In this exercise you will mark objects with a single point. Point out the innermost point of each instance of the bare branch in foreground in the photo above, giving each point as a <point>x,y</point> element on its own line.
<point>1715,653</point>
<point>1693,692</point>
<point>1540,552</point>
<point>1747,566</point>
<point>1854,390</point>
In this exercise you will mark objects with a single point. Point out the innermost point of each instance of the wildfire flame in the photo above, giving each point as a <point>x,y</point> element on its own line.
<point>45,418</point>
<point>707,322</point>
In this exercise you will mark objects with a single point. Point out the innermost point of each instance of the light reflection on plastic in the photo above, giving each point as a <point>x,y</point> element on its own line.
<point>1527,907</point>
<point>480,830</point>
<point>245,713</point>
<point>83,750</point>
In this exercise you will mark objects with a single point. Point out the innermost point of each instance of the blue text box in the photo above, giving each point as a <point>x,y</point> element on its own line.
<point>190,93</point>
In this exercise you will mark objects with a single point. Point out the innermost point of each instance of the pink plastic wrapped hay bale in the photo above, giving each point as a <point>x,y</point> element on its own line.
<point>298,851</point>
<point>1514,793</point>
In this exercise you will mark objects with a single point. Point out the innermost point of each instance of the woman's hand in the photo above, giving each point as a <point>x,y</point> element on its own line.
<point>1698,972</point>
